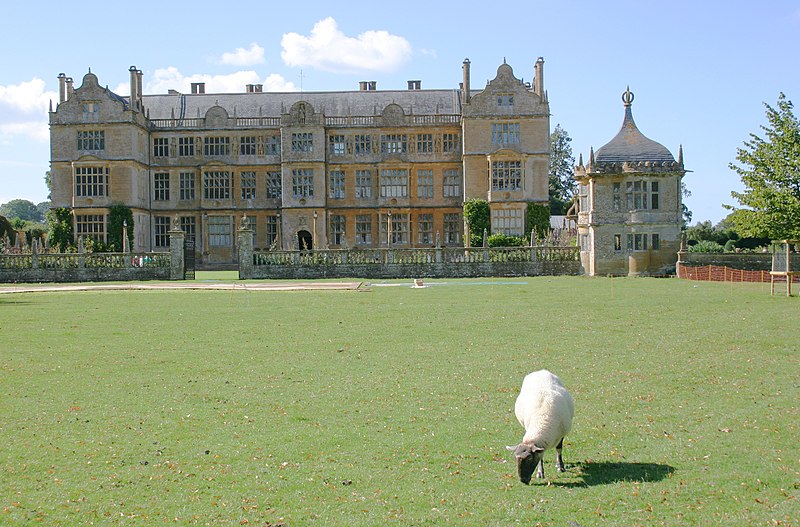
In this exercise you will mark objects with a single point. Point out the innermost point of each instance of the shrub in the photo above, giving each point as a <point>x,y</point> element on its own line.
<point>706,246</point>
<point>505,240</point>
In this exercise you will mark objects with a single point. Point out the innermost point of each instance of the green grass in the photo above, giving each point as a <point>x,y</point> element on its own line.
<point>393,406</point>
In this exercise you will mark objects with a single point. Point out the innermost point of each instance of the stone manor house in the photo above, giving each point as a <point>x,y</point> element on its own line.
<point>364,168</point>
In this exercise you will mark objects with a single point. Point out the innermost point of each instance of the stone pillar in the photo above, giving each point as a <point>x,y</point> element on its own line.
<point>176,266</point>
<point>245,246</point>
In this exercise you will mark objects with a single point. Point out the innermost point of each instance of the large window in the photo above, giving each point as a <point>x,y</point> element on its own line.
<point>425,229</point>
<point>189,228</point>
<point>506,175</point>
<point>505,133</point>
<point>217,185</point>
<point>337,229</point>
<point>363,184</point>
<point>337,146</point>
<point>452,228</point>
<point>247,145</point>
<point>160,147</point>
<point>640,194</point>
<point>394,144</point>
<point>161,186</point>
<point>220,231</point>
<point>187,185</point>
<point>363,144</point>
<point>425,143</point>
<point>161,230</point>
<point>642,242</point>
<point>90,226</point>
<point>394,183</point>
<point>583,197</point>
<point>248,183</point>
<point>273,145</point>
<point>399,228</point>
<point>425,184</point>
<point>91,182</point>
<point>272,231</point>
<point>216,146</point>
<point>303,142</point>
<point>508,221</point>
<point>302,183</point>
<point>186,146</point>
<point>364,229</point>
<point>452,183</point>
<point>273,184</point>
<point>91,140</point>
<point>449,143</point>
<point>336,190</point>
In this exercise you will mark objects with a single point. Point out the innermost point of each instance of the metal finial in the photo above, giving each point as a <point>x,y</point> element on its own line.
<point>627,97</point>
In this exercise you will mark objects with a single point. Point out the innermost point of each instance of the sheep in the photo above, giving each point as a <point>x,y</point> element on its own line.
<point>545,409</point>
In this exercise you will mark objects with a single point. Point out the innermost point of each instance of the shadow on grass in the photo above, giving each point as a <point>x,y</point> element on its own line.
<point>590,474</point>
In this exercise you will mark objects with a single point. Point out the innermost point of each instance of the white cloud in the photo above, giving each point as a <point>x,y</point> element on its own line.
<point>244,57</point>
<point>170,78</point>
<point>23,110</point>
<point>328,49</point>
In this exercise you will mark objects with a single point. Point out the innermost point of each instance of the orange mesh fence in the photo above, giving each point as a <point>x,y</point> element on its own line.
<point>718,273</point>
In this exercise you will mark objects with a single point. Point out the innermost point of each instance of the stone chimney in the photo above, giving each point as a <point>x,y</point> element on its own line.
<point>198,87</point>
<point>134,87</point>
<point>465,84</point>
<point>62,88</point>
<point>70,89</point>
<point>414,85</point>
<point>538,77</point>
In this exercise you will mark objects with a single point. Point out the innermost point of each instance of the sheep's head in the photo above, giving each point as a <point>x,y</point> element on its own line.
<point>528,457</point>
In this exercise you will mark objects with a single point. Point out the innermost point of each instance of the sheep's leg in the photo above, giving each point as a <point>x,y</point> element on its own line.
<point>540,469</point>
<point>559,459</point>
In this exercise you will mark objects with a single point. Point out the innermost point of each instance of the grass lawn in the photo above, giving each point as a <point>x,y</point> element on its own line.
<point>393,406</point>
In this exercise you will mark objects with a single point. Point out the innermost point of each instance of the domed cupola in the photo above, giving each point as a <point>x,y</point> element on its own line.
<point>630,145</point>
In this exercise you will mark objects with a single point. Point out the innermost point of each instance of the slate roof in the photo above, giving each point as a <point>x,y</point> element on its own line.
<point>273,104</point>
<point>631,145</point>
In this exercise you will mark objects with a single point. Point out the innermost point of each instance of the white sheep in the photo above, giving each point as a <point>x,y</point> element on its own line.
<point>545,408</point>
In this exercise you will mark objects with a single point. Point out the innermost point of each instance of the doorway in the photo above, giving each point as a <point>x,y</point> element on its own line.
<point>305,242</point>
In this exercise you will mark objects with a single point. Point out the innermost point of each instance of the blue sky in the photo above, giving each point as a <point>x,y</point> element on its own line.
<point>701,71</point>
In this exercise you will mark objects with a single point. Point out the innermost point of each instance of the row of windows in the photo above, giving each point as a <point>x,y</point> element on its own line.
<point>393,183</point>
<point>639,195</point>
<point>303,142</point>
<point>634,242</point>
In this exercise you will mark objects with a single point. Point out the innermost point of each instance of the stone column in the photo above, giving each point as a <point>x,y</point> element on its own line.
<point>245,245</point>
<point>176,266</point>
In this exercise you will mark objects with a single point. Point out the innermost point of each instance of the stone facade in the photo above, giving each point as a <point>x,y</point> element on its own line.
<point>629,205</point>
<point>365,168</point>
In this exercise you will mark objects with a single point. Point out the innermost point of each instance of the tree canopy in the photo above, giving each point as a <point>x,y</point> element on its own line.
<point>770,170</point>
<point>561,178</point>
<point>22,209</point>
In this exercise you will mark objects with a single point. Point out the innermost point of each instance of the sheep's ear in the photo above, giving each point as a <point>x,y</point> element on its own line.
<point>511,448</point>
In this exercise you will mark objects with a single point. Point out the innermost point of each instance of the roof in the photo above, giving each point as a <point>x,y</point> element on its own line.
<point>266,104</point>
<point>631,145</point>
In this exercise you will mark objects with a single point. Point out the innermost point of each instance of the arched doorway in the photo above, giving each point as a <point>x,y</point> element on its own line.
<point>305,242</point>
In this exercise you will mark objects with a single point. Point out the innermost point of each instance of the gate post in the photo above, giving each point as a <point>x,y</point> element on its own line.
<point>176,265</point>
<point>244,242</point>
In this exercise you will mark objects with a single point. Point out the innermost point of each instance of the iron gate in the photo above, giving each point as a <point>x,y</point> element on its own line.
<point>188,260</point>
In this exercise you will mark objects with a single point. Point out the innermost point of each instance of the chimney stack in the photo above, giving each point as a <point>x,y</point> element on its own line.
<point>198,87</point>
<point>62,88</point>
<point>538,77</point>
<point>414,85</point>
<point>465,84</point>
<point>70,89</point>
<point>139,93</point>
<point>134,87</point>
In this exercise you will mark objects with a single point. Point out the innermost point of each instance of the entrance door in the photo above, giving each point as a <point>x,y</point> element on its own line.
<point>304,241</point>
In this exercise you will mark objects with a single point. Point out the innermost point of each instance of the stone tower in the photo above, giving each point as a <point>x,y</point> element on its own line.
<point>630,210</point>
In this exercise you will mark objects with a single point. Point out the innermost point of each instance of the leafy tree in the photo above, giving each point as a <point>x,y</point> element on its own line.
<point>770,170</point>
<point>561,177</point>
<point>22,209</point>
<point>706,246</point>
<point>59,222</point>
<point>476,214</point>
<point>117,215</point>
<point>538,220</point>
<point>687,214</point>
<point>6,229</point>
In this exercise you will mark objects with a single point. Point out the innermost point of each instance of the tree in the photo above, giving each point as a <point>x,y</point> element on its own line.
<point>770,171</point>
<point>22,209</point>
<point>119,214</point>
<point>538,220</point>
<point>561,177</point>
<point>476,214</point>
<point>59,222</point>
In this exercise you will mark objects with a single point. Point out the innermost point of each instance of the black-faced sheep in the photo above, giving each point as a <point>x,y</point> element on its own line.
<point>545,408</point>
